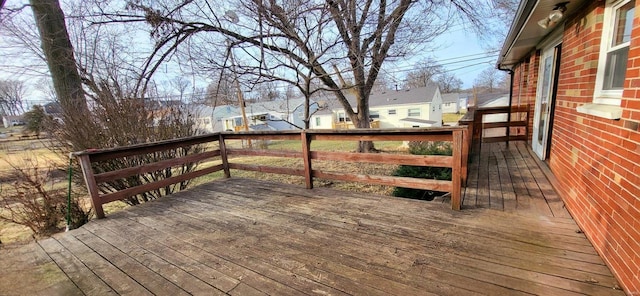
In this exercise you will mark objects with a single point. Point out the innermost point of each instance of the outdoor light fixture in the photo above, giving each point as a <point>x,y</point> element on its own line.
<point>554,16</point>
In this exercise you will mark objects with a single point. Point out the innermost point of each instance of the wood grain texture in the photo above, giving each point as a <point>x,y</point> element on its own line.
<point>160,165</point>
<point>508,178</point>
<point>249,237</point>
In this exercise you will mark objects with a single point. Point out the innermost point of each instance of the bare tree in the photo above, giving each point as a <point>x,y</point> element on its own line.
<point>11,95</point>
<point>367,34</point>
<point>180,84</point>
<point>490,79</point>
<point>448,82</point>
<point>426,72</point>
<point>221,91</point>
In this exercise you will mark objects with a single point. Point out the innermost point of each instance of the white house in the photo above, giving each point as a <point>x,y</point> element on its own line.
<point>285,114</point>
<point>417,107</point>
<point>210,119</point>
<point>450,103</point>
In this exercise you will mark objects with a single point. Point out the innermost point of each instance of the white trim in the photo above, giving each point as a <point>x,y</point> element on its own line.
<point>601,96</point>
<point>553,39</point>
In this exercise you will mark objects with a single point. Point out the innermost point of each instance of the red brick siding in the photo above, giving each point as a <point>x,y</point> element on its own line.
<point>597,161</point>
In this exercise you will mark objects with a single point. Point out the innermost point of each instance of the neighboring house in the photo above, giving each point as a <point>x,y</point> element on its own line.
<point>277,115</point>
<point>450,103</point>
<point>10,120</point>
<point>210,119</point>
<point>418,107</point>
<point>577,65</point>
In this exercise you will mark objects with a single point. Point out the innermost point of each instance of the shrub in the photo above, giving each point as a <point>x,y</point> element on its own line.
<point>437,173</point>
<point>37,201</point>
<point>119,118</point>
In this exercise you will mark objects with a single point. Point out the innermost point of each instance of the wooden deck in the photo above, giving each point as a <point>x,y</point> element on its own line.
<point>248,237</point>
<point>509,178</point>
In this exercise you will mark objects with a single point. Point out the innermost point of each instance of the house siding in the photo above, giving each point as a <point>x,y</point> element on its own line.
<point>596,161</point>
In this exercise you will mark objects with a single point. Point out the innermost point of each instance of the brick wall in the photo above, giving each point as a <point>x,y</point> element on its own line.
<point>596,160</point>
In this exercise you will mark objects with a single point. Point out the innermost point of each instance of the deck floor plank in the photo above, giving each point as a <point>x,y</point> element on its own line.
<point>476,249</point>
<point>250,237</point>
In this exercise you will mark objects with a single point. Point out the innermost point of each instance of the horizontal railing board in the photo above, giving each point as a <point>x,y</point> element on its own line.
<point>386,158</point>
<point>264,152</point>
<point>241,136</point>
<point>151,167</point>
<point>504,139</point>
<point>382,137</point>
<point>501,109</point>
<point>118,152</point>
<point>501,124</point>
<point>266,169</point>
<point>122,194</point>
<point>407,182</point>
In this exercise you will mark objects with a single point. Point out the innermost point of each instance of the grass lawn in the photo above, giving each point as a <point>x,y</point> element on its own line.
<point>452,117</point>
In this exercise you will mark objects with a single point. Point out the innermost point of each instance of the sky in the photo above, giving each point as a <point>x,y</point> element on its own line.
<point>458,50</point>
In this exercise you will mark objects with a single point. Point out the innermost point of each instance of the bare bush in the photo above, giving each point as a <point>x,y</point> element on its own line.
<point>37,201</point>
<point>122,120</point>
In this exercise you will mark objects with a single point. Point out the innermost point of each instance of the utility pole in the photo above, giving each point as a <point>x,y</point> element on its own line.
<point>245,122</point>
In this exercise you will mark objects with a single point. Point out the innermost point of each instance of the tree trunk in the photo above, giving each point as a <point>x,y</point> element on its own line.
<point>58,52</point>
<point>364,146</point>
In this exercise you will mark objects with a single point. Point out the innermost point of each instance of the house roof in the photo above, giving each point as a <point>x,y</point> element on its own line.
<point>274,106</point>
<point>221,111</point>
<point>388,98</point>
<point>450,98</point>
<point>408,96</point>
<point>525,33</point>
<point>416,120</point>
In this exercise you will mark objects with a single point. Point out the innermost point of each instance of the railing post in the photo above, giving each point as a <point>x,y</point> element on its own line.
<point>306,156</point>
<point>223,156</point>
<point>92,186</point>
<point>466,143</point>
<point>456,170</point>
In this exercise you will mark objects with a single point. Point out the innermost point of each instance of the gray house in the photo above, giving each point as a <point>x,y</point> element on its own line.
<point>277,115</point>
<point>210,119</point>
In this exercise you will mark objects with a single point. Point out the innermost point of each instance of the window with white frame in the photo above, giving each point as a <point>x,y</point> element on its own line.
<point>318,121</point>
<point>391,112</point>
<point>414,112</point>
<point>614,51</point>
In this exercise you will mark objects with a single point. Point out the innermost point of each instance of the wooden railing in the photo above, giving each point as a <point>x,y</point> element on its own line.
<point>517,117</point>
<point>457,161</point>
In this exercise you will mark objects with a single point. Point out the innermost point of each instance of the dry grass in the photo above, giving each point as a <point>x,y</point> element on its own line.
<point>12,233</point>
<point>452,117</point>
<point>20,153</point>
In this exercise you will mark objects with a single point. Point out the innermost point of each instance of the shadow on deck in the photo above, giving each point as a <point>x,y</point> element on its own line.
<point>248,237</point>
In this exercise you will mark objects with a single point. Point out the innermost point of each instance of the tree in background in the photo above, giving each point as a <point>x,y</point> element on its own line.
<point>35,119</point>
<point>427,71</point>
<point>491,79</point>
<point>448,83</point>
<point>11,95</point>
<point>365,34</point>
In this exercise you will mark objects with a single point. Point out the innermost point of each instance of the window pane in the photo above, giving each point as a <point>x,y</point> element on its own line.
<point>623,24</point>
<point>615,69</point>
